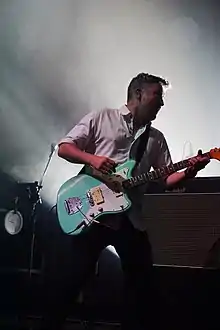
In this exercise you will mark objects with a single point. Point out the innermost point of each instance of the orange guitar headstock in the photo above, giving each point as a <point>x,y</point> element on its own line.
<point>215,153</point>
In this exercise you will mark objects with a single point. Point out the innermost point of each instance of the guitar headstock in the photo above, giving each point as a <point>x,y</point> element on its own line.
<point>215,153</point>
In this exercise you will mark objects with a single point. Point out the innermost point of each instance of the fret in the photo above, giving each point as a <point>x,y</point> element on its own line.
<point>131,181</point>
<point>145,176</point>
<point>185,163</point>
<point>177,166</point>
<point>150,176</point>
<point>154,175</point>
<point>171,168</point>
<point>162,171</point>
<point>141,178</point>
<point>134,179</point>
<point>157,173</point>
<point>166,170</point>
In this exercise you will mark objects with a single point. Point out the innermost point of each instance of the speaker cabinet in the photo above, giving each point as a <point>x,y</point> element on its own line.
<point>182,227</point>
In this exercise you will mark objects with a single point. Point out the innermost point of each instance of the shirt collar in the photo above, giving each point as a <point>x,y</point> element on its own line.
<point>125,111</point>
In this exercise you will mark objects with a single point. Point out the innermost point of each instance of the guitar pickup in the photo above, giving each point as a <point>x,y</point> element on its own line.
<point>97,195</point>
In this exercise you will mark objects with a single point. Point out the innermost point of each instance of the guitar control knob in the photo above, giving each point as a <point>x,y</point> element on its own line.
<point>92,215</point>
<point>100,209</point>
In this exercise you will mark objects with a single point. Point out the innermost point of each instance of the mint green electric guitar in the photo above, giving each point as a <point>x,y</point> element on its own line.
<point>84,199</point>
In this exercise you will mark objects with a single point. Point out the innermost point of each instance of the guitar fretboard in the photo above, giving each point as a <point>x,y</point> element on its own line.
<point>158,173</point>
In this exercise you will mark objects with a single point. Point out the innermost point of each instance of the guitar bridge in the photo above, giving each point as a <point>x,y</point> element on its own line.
<point>73,205</point>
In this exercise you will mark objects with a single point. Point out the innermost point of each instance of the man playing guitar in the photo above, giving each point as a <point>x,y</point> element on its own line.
<point>104,140</point>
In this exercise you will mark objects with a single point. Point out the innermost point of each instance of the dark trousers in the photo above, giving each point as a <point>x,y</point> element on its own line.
<point>66,273</point>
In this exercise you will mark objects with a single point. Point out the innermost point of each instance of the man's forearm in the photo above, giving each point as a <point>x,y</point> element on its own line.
<point>73,154</point>
<point>175,178</point>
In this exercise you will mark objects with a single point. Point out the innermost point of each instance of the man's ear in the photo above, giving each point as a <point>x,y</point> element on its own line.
<point>138,94</point>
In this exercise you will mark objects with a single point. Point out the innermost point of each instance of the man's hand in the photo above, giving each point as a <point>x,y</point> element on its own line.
<point>196,164</point>
<point>103,164</point>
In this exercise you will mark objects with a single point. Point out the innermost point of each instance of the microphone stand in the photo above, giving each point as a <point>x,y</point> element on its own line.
<point>36,201</point>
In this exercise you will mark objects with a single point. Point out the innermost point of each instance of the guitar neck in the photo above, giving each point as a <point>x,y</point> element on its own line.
<point>158,173</point>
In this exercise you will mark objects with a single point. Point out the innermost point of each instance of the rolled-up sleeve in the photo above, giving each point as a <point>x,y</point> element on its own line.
<point>163,154</point>
<point>81,134</point>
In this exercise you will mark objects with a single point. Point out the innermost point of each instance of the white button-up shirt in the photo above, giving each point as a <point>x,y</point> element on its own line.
<point>110,133</point>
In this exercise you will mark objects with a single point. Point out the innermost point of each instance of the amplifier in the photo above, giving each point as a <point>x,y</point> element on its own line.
<point>196,185</point>
<point>183,228</point>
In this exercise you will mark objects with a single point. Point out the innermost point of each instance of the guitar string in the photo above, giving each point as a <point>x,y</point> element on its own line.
<point>106,188</point>
<point>85,197</point>
<point>148,175</point>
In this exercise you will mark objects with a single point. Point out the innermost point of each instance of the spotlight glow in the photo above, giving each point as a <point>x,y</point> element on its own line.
<point>50,78</point>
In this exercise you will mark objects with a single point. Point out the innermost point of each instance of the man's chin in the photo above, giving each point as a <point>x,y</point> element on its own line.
<point>146,122</point>
<point>153,117</point>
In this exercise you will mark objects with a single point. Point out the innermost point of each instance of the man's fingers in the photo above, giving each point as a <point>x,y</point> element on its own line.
<point>107,168</point>
<point>198,159</point>
<point>205,160</point>
<point>104,171</point>
<point>110,164</point>
<point>110,161</point>
<point>192,161</point>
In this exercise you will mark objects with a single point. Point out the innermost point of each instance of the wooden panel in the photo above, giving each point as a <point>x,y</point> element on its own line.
<point>182,227</point>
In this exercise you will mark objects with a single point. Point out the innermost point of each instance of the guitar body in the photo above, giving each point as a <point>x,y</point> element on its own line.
<point>86,198</point>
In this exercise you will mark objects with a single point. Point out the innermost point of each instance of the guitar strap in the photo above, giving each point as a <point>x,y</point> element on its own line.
<point>143,140</point>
